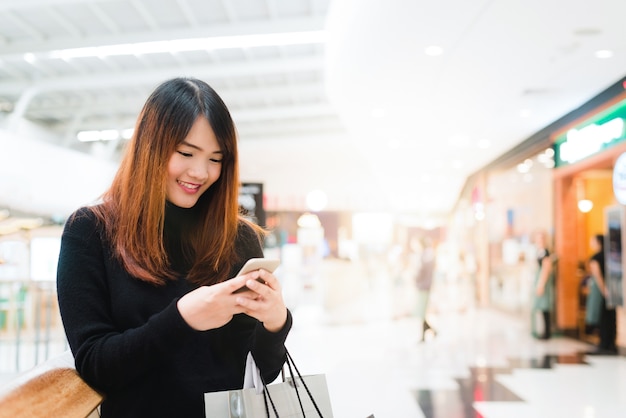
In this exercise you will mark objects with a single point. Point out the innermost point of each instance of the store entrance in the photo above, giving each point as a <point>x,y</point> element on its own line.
<point>593,197</point>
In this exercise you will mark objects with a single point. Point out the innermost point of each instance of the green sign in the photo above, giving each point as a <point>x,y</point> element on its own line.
<point>596,134</point>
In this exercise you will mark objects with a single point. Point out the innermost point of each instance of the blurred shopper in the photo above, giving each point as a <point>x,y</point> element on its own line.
<point>400,262</point>
<point>543,296</point>
<point>598,293</point>
<point>424,278</point>
<point>143,276</point>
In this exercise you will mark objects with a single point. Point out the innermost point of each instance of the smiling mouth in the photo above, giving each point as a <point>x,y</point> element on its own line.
<point>189,186</point>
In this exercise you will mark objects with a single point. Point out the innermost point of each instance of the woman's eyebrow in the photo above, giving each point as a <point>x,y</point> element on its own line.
<point>191,145</point>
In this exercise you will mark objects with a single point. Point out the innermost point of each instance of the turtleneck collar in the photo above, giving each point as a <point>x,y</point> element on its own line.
<point>179,223</point>
<point>177,218</point>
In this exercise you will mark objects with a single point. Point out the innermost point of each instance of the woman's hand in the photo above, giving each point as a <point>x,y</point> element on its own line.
<point>539,290</point>
<point>209,307</point>
<point>264,301</point>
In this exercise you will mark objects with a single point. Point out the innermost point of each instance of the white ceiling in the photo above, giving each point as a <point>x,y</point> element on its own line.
<point>360,111</point>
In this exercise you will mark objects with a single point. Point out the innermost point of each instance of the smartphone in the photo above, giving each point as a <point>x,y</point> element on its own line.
<point>269,264</point>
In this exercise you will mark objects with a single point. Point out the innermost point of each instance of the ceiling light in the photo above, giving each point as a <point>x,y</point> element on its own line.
<point>604,53</point>
<point>109,135</point>
<point>92,136</point>
<point>30,57</point>
<point>433,50</point>
<point>309,220</point>
<point>525,113</point>
<point>585,205</point>
<point>457,164</point>
<point>316,200</point>
<point>88,136</point>
<point>127,133</point>
<point>523,168</point>
<point>378,113</point>
<point>194,44</point>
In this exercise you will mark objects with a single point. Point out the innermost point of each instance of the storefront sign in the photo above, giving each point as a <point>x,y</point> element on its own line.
<point>590,139</point>
<point>594,135</point>
<point>619,179</point>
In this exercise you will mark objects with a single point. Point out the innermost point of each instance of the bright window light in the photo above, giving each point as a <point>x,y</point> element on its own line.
<point>194,44</point>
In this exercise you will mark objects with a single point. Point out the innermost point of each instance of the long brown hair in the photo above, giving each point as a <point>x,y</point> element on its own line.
<point>133,209</point>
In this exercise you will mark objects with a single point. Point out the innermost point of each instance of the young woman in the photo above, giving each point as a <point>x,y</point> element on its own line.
<point>425,247</point>
<point>543,297</point>
<point>145,278</point>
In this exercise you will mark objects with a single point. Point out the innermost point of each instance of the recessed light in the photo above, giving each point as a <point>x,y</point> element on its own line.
<point>195,44</point>
<point>459,141</point>
<point>433,50</point>
<point>378,113</point>
<point>604,53</point>
<point>30,57</point>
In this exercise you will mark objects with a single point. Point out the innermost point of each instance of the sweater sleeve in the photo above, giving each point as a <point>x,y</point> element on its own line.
<point>268,348</point>
<point>105,357</point>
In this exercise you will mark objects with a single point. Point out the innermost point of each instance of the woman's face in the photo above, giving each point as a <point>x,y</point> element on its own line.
<point>194,166</point>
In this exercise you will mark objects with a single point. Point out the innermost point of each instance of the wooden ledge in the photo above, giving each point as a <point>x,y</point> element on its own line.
<point>49,392</point>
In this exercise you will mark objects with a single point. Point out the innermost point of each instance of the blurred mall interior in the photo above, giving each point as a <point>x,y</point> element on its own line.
<point>366,130</point>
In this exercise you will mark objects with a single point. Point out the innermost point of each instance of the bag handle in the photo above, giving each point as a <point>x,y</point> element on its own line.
<point>294,383</point>
<point>289,363</point>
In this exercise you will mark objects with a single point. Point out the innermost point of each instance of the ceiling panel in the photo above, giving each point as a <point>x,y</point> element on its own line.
<point>360,111</point>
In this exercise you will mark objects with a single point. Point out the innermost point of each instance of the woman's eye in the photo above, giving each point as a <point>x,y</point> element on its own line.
<point>216,160</point>
<point>184,154</point>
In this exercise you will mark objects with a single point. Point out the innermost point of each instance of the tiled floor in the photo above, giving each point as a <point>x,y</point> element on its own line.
<point>481,363</point>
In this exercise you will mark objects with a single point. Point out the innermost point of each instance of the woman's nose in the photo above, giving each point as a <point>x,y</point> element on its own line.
<point>199,171</point>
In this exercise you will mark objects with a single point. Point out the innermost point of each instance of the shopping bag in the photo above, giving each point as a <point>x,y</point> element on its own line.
<point>296,396</point>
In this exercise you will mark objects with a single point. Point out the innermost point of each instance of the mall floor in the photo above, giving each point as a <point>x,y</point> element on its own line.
<point>358,329</point>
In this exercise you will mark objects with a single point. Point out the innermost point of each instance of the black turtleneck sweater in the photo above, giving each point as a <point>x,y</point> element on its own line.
<point>128,338</point>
